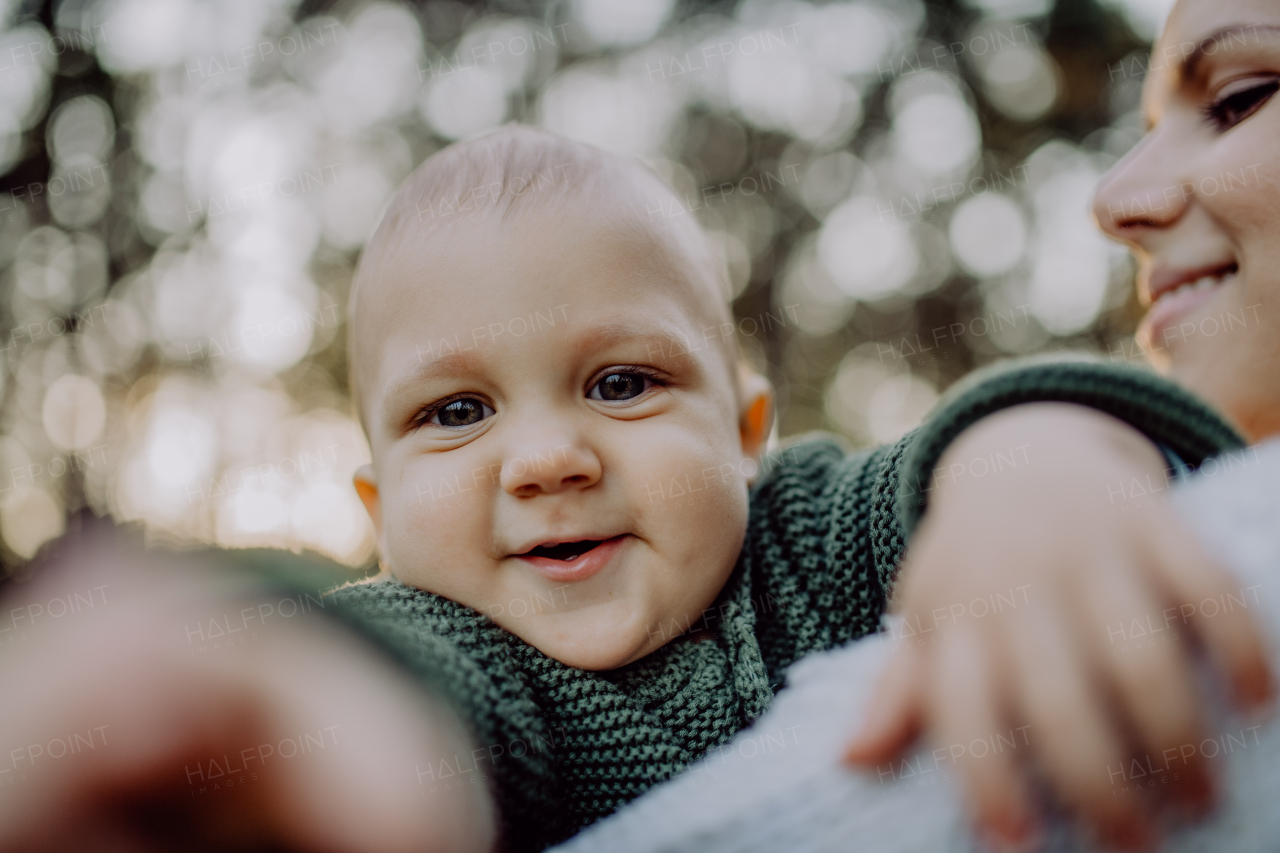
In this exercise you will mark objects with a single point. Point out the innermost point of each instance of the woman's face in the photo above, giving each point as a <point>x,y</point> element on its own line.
<point>1198,202</point>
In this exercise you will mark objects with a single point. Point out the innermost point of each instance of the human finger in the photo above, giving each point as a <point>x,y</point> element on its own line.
<point>1075,742</point>
<point>1148,669</point>
<point>894,715</point>
<point>1208,598</point>
<point>966,724</point>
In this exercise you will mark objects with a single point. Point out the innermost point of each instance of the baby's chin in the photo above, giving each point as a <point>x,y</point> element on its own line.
<point>599,637</point>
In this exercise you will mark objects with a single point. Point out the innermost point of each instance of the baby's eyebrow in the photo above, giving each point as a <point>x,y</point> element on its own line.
<point>448,364</point>
<point>659,338</point>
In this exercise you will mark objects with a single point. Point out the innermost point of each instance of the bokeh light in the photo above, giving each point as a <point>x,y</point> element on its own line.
<point>187,186</point>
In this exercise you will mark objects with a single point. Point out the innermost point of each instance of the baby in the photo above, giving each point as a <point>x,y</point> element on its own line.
<point>587,554</point>
<point>593,566</point>
<point>528,413</point>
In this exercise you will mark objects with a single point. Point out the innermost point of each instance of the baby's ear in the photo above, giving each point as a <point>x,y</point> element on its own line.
<point>367,489</point>
<point>755,416</point>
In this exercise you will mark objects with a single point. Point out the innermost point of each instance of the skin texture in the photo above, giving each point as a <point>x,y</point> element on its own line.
<point>1200,191</point>
<point>1051,663</point>
<point>544,460</point>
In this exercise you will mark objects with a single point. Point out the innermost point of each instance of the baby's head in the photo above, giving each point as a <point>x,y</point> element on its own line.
<point>538,360</point>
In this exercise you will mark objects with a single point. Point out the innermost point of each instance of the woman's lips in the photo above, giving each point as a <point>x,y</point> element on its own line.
<point>580,568</point>
<point>1172,308</point>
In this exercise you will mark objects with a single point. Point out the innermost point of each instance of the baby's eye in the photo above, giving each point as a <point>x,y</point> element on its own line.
<point>463,412</point>
<point>623,385</point>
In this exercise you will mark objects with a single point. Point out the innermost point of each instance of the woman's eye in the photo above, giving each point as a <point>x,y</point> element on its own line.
<point>1229,111</point>
<point>621,386</point>
<point>467,411</point>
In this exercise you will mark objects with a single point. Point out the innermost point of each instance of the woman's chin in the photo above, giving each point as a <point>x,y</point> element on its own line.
<point>1247,394</point>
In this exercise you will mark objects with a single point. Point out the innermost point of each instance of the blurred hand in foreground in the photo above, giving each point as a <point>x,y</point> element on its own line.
<point>178,750</point>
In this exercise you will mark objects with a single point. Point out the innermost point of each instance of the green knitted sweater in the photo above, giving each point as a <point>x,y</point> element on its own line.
<point>562,747</point>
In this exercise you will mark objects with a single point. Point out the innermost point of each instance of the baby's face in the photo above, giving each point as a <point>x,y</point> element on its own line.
<point>549,380</point>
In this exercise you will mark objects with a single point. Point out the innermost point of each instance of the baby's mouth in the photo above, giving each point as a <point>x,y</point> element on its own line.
<point>569,562</point>
<point>566,551</point>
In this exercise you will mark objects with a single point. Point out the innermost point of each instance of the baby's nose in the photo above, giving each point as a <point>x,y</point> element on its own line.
<point>550,470</point>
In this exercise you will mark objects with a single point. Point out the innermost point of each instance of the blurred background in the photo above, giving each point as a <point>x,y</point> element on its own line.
<point>900,189</point>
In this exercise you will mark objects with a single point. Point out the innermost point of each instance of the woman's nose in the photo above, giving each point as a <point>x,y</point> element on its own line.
<point>1142,193</point>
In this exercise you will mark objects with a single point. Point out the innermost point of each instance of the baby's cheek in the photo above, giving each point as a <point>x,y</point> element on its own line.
<point>689,475</point>
<point>685,488</point>
<point>432,522</point>
<point>698,505</point>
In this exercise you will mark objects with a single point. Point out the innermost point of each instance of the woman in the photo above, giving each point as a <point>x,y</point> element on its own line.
<point>1197,201</point>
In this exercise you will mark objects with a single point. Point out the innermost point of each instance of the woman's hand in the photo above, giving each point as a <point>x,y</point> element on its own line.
<point>1047,605</point>
<point>297,739</point>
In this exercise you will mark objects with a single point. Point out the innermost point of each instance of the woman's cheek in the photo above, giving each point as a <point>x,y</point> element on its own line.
<point>1239,179</point>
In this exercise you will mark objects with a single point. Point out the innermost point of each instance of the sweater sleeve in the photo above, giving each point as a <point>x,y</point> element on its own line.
<point>829,528</point>
<point>821,521</point>
<point>1164,412</point>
